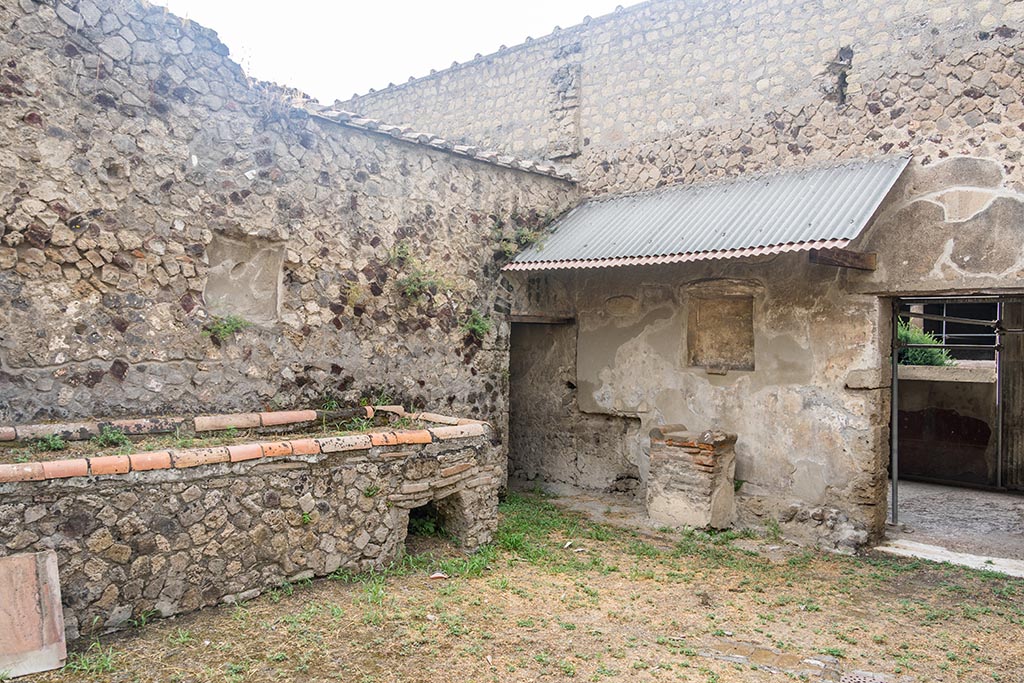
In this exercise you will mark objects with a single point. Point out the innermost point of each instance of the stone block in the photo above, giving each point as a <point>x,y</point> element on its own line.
<point>8,434</point>
<point>31,620</point>
<point>691,486</point>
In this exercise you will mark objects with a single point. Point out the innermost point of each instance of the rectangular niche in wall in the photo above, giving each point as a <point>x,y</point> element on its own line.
<point>720,332</point>
<point>244,278</point>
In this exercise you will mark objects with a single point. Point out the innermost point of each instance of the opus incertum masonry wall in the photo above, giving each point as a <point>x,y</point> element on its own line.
<point>173,531</point>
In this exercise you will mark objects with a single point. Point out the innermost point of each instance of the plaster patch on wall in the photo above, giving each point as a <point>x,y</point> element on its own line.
<point>720,333</point>
<point>244,278</point>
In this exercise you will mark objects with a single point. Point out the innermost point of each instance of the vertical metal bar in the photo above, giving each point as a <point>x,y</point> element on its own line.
<point>894,427</point>
<point>999,396</point>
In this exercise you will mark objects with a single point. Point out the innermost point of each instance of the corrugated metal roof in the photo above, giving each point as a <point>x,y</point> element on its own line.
<point>786,211</point>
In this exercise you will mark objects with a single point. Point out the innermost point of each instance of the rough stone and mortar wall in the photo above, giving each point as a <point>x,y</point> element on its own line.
<point>678,90</point>
<point>173,541</point>
<point>550,440</point>
<point>146,185</point>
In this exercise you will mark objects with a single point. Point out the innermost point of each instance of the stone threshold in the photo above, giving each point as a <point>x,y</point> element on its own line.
<point>451,428</point>
<point>936,553</point>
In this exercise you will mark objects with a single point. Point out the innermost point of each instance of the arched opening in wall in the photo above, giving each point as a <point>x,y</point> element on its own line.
<point>429,532</point>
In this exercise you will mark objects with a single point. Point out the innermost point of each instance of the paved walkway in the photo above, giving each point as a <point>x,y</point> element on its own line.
<point>960,519</point>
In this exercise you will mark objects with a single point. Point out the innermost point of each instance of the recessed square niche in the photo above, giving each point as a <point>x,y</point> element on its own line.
<point>244,278</point>
<point>720,333</point>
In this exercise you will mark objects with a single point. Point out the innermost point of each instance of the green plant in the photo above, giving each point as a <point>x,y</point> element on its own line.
<point>357,424</point>
<point>419,283</point>
<point>908,334</point>
<point>50,442</point>
<point>145,616</point>
<point>307,518</point>
<point>223,328</point>
<point>93,660</point>
<point>400,254</point>
<point>111,436</point>
<point>476,325</point>
<point>180,637</point>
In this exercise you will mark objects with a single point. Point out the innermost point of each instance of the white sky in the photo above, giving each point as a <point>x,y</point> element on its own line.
<point>332,49</point>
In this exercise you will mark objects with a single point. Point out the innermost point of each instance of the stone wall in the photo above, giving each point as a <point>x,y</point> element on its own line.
<point>169,539</point>
<point>147,185</point>
<point>550,439</point>
<point>676,90</point>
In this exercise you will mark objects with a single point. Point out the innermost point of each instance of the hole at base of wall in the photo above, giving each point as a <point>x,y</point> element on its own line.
<point>427,534</point>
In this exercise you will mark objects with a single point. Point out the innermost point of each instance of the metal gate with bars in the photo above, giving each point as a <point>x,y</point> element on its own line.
<point>1008,349</point>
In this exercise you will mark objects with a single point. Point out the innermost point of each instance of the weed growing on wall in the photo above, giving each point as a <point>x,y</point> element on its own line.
<point>111,436</point>
<point>418,283</point>
<point>908,334</point>
<point>50,442</point>
<point>476,325</point>
<point>222,329</point>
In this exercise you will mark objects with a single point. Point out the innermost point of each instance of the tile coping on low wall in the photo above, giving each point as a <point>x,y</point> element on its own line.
<point>452,428</point>
<point>74,431</point>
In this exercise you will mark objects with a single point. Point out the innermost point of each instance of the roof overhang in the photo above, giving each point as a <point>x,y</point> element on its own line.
<point>823,208</point>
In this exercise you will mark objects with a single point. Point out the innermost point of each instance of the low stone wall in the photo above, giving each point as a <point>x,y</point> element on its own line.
<point>691,478</point>
<point>199,532</point>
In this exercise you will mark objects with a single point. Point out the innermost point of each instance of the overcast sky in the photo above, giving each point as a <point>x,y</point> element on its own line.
<point>332,49</point>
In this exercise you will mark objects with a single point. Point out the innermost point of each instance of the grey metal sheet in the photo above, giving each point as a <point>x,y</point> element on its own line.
<point>783,211</point>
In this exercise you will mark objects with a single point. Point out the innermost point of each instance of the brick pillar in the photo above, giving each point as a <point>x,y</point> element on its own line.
<point>691,478</point>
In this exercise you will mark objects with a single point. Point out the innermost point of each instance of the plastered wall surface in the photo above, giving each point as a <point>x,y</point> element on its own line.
<point>146,185</point>
<point>806,442</point>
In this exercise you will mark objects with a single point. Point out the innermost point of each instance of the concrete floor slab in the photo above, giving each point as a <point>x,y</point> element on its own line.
<point>923,551</point>
<point>961,520</point>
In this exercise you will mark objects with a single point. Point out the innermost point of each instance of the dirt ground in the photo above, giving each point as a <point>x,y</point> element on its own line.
<point>558,597</point>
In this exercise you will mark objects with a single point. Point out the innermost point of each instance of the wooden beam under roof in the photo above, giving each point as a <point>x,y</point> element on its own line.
<point>844,258</point>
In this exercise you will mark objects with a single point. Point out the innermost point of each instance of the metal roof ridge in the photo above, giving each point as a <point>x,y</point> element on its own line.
<point>404,133</point>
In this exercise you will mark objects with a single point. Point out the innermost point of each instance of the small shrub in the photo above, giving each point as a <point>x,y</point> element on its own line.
<point>400,254</point>
<point>111,436</point>
<point>418,284</point>
<point>50,442</point>
<point>908,334</point>
<point>476,325</point>
<point>222,329</point>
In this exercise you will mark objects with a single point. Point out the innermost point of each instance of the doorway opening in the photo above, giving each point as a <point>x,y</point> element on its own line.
<point>956,462</point>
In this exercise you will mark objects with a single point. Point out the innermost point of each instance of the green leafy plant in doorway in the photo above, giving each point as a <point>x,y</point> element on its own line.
<point>908,334</point>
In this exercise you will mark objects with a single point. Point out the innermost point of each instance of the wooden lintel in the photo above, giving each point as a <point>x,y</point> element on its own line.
<point>844,258</point>
<point>541,319</point>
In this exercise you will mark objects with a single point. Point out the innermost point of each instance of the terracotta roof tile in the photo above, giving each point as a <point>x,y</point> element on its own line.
<point>407,134</point>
